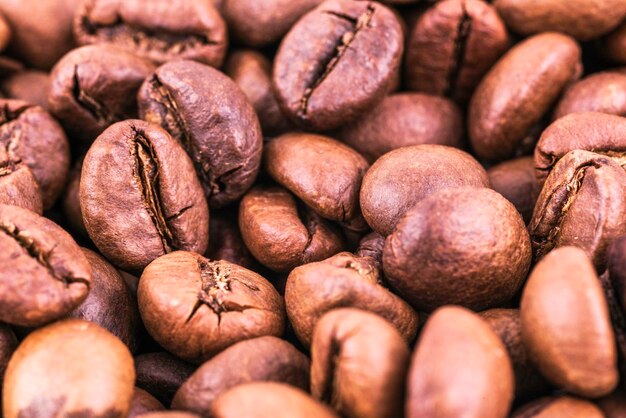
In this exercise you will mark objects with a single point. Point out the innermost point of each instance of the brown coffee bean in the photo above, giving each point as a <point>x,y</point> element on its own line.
<point>259,359</point>
<point>195,307</point>
<point>30,135</point>
<point>71,201</point>
<point>343,281</point>
<point>337,61</point>
<point>401,178</point>
<point>459,368</point>
<point>212,119</point>
<point>38,258</point>
<point>18,185</point>
<point>601,92</point>
<point>515,180</point>
<point>159,30</point>
<point>169,414</point>
<point>140,197</point>
<point>561,407</point>
<point>573,348</point>
<point>402,120</point>
<point>601,133</point>
<point>268,399</point>
<point>143,403</point>
<point>324,173</point>
<point>226,242</point>
<point>5,32</point>
<point>452,45</point>
<point>8,344</point>
<point>95,86</point>
<point>582,19</point>
<point>252,72</point>
<point>525,82</point>
<point>614,44</point>
<point>259,24</point>
<point>582,203</point>
<point>463,246</point>
<point>67,368</point>
<point>359,364</point>
<point>30,86</point>
<point>161,374</point>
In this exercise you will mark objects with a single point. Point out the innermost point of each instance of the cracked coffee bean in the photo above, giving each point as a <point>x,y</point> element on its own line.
<point>263,359</point>
<point>138,183</point>
<point>557,407</point>
<point>159,30</point>
<point>337,61</point>
<point>54,373</point>
<point>95,86</point>
<point>282,233</point>
<point>161,374</point>
<point>515,180</point>
<point>452,46</point>
<point>195,307</point>
<point>38,258</point>
<point>601,92</point>
<point>18,186</point>
<point>212,119</point>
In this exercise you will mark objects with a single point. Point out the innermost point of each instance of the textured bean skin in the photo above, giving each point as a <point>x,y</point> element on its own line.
<point>564,406</point>
<point>602,92</point>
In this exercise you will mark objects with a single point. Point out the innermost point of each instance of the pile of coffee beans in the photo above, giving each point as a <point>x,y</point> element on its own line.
<point>313,208</point>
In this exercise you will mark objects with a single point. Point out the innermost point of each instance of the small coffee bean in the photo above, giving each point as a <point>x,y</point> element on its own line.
<point>55,373</point>
<point>161,374</point>
<point>515,180</point>
<point>226,242</point>
<point>559,407</point>
<point>18,186</point>
<point>601,92</point>
<point>573,348</point>
<point>30,86</point>
<point>143,403</point>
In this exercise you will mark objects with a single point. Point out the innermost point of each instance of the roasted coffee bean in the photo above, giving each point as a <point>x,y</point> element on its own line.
<point>337,61</point>
<point>452,45</point>
<point>614,405</point>
<point>8,344</point>
<point>268,399</point>
<point>582,19</point>
<point>559,407</point>
<point>573,348</point>
<point>212,119</point>
<point>583,203</point>
<point>343,281</point>
<point>30,86</point>
<point>515,179</point>
<point>69,368</point>
<point>95,86</point>
<point>614,44</point>
<point>283,233</point>
<point>525,82</point>
<point>260,23</point>
<point>71,201</point>
<point>38,258</point>
<point>600,92</point>
<point>459,368</point>
<point>109,303</point>
<point>252,72</point>
<point>169,414</point>
<point>140,197</point>
<point>263,359</point>
<point>5,32</point>
<point>462,246</point>
<point>18,186</point>
<point>143,403</point>
<point>161,374</point>
<point>30,135</point>
<point>359,364</point>
<point>601,133</point>
<point>226,242</point>
<point>195,307</point>
<point>401,178</point>
<point>159,30</point>
<point>402,120</point>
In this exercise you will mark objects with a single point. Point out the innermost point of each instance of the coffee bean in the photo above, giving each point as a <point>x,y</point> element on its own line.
<point>18,185</point>
<point>38,258</point>
<point>169,414</point>
<point>263,359</point>
<point>476,381</point>
<point>71,201</point>
<point>555,407</point>
<point>515,180</point>
<point>614,43</point>
<point>161,374</point>
<point>160,30</point>
<point>226,242</point>
<point>212,119</point>
<point>573,348</point>
<point>143,403</point>
<point>601,92</point>
<point>55,373</point>
<point>614,405</point>
<point>337,61</point>
<point>401,178</point>
<point>196,308</point>
<point>137,183</point>
<point>8,344</point>
<point>29,86</point>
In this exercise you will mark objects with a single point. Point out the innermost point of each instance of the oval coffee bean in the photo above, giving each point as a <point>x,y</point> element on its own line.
<point>283,233</point>
<point>515,180</point>
<point>226,242</point>
<point>561,407</point>
<point>601,92</point>
<point>30,86</point>
<point>525,82</point>
<point>359,364</point>
<point>462,381</point>
<point>18,185</point>
<point>583,203</point>
<point>212,119</point>
<point>38,258</point>
<point>614,44</point>
<point>70,367</point>
<point>140,197</point>
<point>337,61</point>
<point>403,177</point>
<point>267,359</point>
<point>161,374</point>
<point>195,308</point>
<point>159,30</point>
<point>483,246</point>
<point>143,403</point>
<point>573,348</point>
<point>402,120</point>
